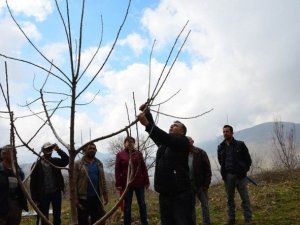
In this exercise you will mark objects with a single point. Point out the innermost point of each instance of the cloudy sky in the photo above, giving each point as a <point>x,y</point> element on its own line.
<point>241,59</point>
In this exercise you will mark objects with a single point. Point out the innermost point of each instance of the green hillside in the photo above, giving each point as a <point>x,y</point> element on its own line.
<point>275,201</point>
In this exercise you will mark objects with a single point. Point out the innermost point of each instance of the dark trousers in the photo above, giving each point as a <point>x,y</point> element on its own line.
<point>177,209</point>
<point>14,214</point>
<point>55,200</point>
<point>232,182</point>
<point>91,207</point>
<point>203,198</point>
<point>140,197</point>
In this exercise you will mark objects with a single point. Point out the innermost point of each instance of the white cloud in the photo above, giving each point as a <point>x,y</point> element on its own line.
<point>12,39</point>
<point>250,49</point>
<point>58,52</point>
<point>243,62</point>
<point>135,42</point>
<point>38,9</point>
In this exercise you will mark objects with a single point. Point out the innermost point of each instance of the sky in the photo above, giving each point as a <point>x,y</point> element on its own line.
<point>241,59</point>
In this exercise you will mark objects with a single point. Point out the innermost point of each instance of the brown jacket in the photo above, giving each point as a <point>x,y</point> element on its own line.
<point>81,178</point>
<point>201,167</point>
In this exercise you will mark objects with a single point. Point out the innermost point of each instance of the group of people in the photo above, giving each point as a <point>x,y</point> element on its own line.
<point>182,174</point>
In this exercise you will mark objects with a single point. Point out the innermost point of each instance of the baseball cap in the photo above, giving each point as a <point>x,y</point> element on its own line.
<point>47,145</point>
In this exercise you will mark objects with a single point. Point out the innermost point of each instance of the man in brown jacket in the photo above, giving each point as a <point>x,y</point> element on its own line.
<point>200,176</point>
<point>90,186</point>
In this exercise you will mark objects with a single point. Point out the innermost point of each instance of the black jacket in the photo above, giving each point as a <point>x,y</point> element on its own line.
<point>201,168</point>
<point>171,171</point>
<point>241,156</point>
<point>37,186</point>
<point>4,192</point>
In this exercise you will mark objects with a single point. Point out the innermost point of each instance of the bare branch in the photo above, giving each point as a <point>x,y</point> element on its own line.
<point>94,55</point>
<point>94,97</point>
<point>108,55</point>
<point>32,44</point>
<point>166,99</point>
<point>80,40</point>
<point>185,118</point>
<point>38,66</point>
<point>150,66</point>
<point>154,93</point>
<point>50,123</point>
<point>171,67</point>
<point>128,118</point>
<point>63,22</point>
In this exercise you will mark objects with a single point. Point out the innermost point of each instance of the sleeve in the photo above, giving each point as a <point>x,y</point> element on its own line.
<point>144,171</point>
<point>207,169</point>
<point>173,141</point>
<point>103,180</point>
<point>76,173</point>
<point>33,182</point>
<point>247,156</point>
<point>64,159</point>
<point>220,154</point>
<point>118,171</point>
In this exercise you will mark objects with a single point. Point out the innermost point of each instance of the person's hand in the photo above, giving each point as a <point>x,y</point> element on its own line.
<point>144,108</point>
<point>143,119</point>
<point>119,189</point>
<point>105,197</point>
<point>147,186</point>
<point>55,148</point>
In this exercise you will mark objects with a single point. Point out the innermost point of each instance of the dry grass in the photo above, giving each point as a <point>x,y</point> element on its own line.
<point>275,201</point>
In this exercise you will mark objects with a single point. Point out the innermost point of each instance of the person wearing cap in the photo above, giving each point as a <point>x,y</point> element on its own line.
<point>90,186</point>
<point>12,199</point>
<point>47,182</point>
<point>139,182</point>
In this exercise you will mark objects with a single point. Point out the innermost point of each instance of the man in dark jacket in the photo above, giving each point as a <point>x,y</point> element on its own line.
<point>171,178</point>
<point>200,176</point>
<point>235,162</point>
<point>139,182</point>
<point>47,182</point>
<point>12,200</point>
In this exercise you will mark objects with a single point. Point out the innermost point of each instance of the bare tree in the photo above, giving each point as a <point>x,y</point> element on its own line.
<point>71,88</point>
<point>284,140</point>
<point>148,149</point>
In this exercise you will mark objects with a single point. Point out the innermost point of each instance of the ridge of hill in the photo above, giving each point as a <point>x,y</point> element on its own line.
<point>257,138</point>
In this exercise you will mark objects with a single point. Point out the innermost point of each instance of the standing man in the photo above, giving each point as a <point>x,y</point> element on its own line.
<point>47,182</point>
<point>90,186</point>
<point>12,200</point>
<point>139,183</point>
<point>200,176</point>
<point>171,178</point>
<point>235,162</point>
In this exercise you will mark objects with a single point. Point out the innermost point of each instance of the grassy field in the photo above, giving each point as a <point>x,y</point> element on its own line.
<point>275,201</point>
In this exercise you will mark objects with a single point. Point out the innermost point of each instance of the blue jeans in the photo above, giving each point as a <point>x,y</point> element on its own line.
<point>140,197</point>
<point>55,200</point>
<point>203,198</point>
<point>177,209</point>
<point>232,182</point>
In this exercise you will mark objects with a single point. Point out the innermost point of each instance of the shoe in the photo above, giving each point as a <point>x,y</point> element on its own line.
<point>248,222</point>
<point>230,222</point>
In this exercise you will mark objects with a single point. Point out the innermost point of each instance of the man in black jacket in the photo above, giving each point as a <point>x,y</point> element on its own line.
<point>171,178</point>
<point>47,182</point>
<point>12,199</point>
<point>200,176</point>
<point>235,162</point>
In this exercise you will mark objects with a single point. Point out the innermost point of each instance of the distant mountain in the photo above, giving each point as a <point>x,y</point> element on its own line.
<point>102,156</point>
<point>259,139</point>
